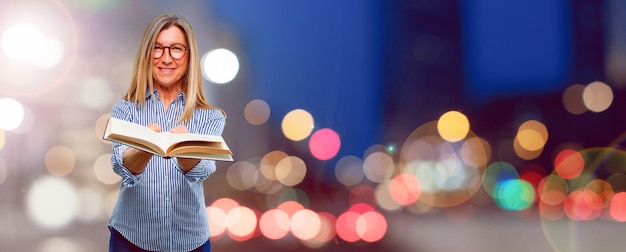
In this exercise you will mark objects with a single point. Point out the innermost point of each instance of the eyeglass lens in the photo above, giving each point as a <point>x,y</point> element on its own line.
<point>176,51</point>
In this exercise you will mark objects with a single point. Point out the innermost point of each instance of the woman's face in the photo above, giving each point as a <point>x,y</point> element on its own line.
<point>166,70</point>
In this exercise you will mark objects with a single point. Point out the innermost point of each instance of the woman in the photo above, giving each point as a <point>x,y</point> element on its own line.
<point>161,205</point>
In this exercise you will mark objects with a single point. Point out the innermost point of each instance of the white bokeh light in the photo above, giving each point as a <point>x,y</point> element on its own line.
<point>220,66</point>
<point>56,244</point>
<point>50,53</point>
<point>11,114</point>
<point>52,202</point>
<point>21,42</point>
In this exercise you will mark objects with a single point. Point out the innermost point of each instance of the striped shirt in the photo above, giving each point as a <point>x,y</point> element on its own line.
<point>163,208</point>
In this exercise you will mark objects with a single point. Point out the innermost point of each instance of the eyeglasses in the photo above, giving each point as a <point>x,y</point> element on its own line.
<point>177,51</point>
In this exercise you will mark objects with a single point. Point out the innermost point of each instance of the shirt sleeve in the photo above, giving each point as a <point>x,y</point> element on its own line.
<point>210,122</point>
<point>128,179</point>
<point>199,172</point>
<point>121,110</point>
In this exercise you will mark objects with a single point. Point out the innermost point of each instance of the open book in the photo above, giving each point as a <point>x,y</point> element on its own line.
<point>167,144</point>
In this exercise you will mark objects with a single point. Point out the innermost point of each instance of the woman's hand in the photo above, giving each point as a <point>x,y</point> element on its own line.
<point>185,164</point>
<point>135,159</point>
<point>155,127</point>
<point>180,129</point>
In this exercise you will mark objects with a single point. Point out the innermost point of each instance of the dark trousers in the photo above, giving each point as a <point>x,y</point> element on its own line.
<point>118,243</point>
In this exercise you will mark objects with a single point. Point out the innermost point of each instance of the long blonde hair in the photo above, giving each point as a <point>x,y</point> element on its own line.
<point>142,80</point>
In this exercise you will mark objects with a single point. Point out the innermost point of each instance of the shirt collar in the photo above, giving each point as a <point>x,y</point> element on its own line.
<point>179,96</point>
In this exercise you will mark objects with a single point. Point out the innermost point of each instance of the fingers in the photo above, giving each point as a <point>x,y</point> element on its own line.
<point>177,129</point>
<point>155,127</point>
<point>180,129</point>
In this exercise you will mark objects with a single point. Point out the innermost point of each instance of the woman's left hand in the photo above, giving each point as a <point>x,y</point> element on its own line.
<point>180,129</point>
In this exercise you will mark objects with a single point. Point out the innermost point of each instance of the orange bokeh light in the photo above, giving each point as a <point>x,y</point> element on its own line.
<point>569,164</point>
<point>617,209</point>
<point>405,189</point>
<point>274,224</point>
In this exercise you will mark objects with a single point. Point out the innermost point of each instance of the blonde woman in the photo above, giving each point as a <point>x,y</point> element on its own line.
<point>161,205</point>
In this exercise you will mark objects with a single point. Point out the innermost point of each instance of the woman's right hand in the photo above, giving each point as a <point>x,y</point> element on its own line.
<point>155,127</point>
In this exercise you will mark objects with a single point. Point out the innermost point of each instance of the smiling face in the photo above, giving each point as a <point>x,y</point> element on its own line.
<point>168,72</point>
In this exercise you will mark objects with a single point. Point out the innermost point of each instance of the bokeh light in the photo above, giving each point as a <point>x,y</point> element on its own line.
<point>100,127</point>
<point>378,166</point>
<point>22,42</point>
<point>4,171</point>
<point>241,223</point>
<point>242,175</point>
<point>324,144</point>
<point>50,53</point>
<point>290,171</point>
<point>11,114</point>
<point>257,112</point>
<point>532,135</point>
<point>582,205</point>
<point>269,162</point>
<point>346,226</point>
<point>361,222</point>
<point>52,202</point>
<point>383,197</point>
<point>405,189</point>
<point>60,160</point>
<point>25,42</point>
<point>371,226</point>
<point>305,224</point>
<point>220,66</point>
<point>445,179</point>
<point>514,194</point>
<point>476,152</point>
<point>274,224</point>
<point>569,164</point>
<point>617,208</point>
<point>41,45</point>
<point>3,138</point>
<point>326,231</point>
<point>29,121</point>
<point>453,126</point>
<point>573,99</point>
<point>598,96</point>
<point>55,244</point>
<point>524,153</point>
<point>217,221</point>
<point>297,124</point>
<point>349,170</point>
<point>103,170</point>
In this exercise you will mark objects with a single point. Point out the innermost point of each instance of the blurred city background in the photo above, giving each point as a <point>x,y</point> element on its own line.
<point>410,125</point>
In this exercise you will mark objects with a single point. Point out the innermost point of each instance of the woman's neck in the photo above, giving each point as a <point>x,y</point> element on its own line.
<point>168,94</point>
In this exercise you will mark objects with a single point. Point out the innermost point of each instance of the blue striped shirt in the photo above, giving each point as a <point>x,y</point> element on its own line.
<point>163,208</point>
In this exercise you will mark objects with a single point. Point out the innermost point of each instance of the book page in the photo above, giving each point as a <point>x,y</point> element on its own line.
<point>167,144</point>
<point>135,135</point>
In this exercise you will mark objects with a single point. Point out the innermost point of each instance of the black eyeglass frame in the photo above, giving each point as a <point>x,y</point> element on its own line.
<point>162,48</point>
